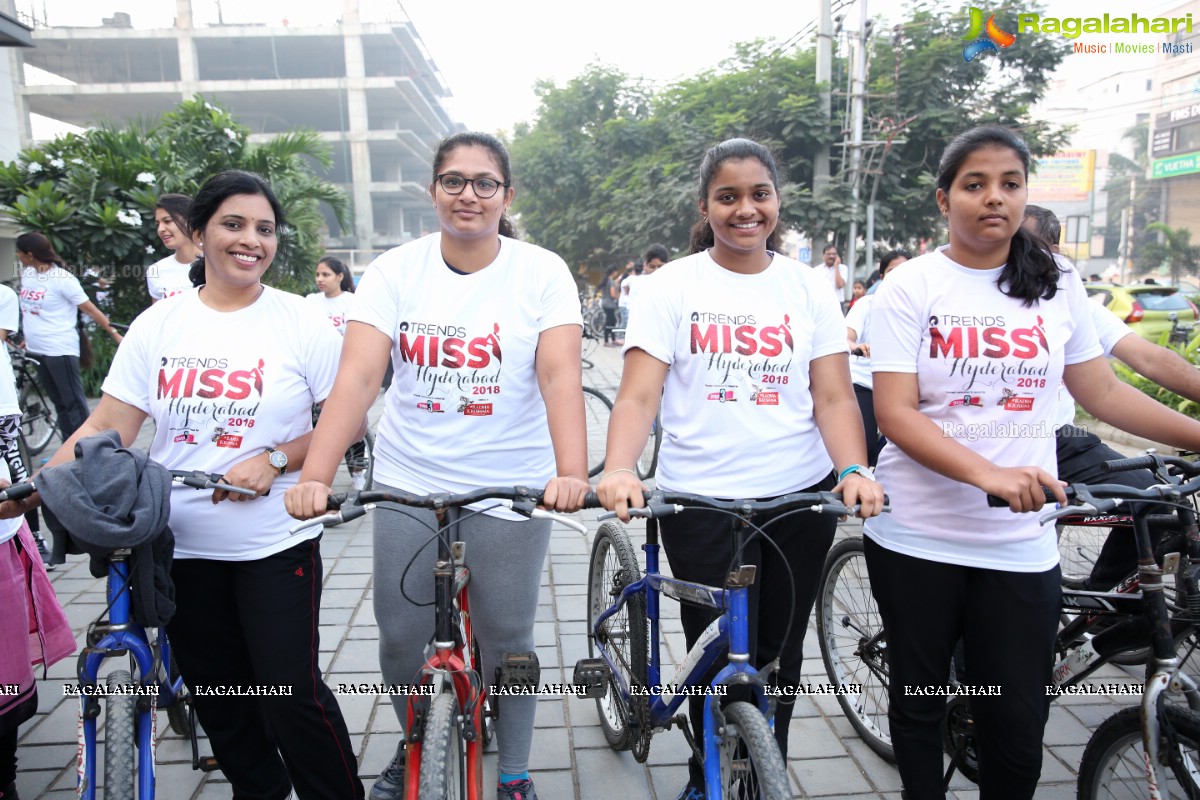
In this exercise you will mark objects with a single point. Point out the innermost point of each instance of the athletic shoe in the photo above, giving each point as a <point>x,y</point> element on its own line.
<point>691,793</point>
<point>358,480</point>
<point>44,552</point>
<point>390,784</point>
<point>516,790</point>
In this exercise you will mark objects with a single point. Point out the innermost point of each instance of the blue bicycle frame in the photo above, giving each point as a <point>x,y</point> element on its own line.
<point>116,637</point>
<point>730,631</point>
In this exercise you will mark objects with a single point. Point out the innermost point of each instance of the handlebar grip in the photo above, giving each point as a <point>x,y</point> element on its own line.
<point>18,491</point>
<point>1127,464</point>
<point>336,501</point>
<point>1000,502</point>
<point>857,351</point>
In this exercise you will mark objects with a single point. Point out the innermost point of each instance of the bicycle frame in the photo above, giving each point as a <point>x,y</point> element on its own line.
<point>451,661</point>
<point>118,635</point>
<point>730,632</point>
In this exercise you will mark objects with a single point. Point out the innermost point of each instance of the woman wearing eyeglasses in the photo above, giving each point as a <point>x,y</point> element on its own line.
<point>484,334</point>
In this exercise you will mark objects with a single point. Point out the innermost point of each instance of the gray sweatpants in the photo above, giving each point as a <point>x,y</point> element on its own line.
<point>506,559</point>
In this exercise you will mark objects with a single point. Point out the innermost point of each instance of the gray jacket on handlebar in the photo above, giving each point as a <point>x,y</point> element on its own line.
<point>111,497</point>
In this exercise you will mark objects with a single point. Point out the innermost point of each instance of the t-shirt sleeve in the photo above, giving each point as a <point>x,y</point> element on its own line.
<point>856,316</point>
<point>560,301</point>
<point>375,300</point>
<point>322,353</point>
<point>10,310</point>
<point>829,334</point>
<point>127,378</point>
<point>1084,344</point>
<point>1109,327</point>
<point>655,326</point>
<point>72,290</point>
<point>896,320</point>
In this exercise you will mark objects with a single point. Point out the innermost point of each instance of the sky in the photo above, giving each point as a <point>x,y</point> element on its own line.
<point>490,54</point>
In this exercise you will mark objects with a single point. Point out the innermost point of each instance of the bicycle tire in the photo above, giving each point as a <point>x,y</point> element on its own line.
<point>38,418</point>
<point>647,462</point>
<point>120,730</point>
<point>177,713</point>
<point>1078,548</point>
<point>1113,766</point>
<point>489,712</point>
<point>613,565</point>
<point>595,322</point>
<point>751,765</point>
<point>443,754</point>
<point>597,411</point>
<point>853,643</point>
<point>369,475</point>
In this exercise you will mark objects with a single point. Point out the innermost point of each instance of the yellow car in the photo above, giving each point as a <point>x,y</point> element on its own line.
<point>1148,308</point>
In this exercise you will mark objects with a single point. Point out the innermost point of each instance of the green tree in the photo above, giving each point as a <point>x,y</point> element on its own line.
<point>1173,250</point>
<point>93,193</point>
<point>617,164</point>
<point>1126,176</point>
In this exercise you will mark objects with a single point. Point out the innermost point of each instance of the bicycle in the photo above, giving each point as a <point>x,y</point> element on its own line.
<point>739,752</point>
<point>1099,627</point>
<point>39,421</point>
<point>587,345</point>
<point>131,697</point>
<point>450,716</point>
<point>597,409</point>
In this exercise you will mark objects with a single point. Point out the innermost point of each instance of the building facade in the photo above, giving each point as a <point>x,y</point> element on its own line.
<point>368,87</point>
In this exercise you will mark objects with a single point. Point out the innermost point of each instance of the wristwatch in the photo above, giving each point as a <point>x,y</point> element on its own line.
<point>278,459</point>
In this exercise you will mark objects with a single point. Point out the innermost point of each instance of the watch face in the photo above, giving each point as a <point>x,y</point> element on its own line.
<point>278,460</point>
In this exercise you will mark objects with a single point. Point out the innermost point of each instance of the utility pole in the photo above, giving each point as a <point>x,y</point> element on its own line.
<point>857,101</point>
<point>824,99</point>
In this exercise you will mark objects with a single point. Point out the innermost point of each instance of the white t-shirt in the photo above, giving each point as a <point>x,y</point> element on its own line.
<point>10,319</point>
<point>223,387</point>
<point>988,369</point>
<point>858,319</point>
<point>464,410</point>
<point>829,274</point>
<point>50,303</point>
<point>335,308</point>
<point>627,289</point>
<point>168,277</point>
<point>1111,329</point>
<point>737,412</point>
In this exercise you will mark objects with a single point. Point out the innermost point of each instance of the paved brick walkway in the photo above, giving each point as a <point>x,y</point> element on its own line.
<point>570,758</point>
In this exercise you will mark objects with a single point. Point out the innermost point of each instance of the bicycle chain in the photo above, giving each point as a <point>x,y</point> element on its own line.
<point>640,713</point>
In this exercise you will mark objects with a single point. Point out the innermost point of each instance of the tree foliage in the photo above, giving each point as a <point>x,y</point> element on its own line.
<point>93,193</point>
<point>611,165</point>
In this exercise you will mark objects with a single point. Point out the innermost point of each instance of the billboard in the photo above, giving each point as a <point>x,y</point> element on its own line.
<point>1065,177</point>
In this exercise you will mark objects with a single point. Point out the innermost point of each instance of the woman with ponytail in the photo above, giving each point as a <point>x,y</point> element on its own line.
<point>745,348</point>
<point>51,299</point>
<point>969,346</point>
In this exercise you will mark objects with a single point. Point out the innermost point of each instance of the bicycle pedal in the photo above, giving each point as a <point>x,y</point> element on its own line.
<point>592,675</point>
<point>519,670</point>
<point>207,764</point>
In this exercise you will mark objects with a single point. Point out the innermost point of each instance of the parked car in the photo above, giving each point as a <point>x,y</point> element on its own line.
<point>1147,309</point>
<point>1190,290</point>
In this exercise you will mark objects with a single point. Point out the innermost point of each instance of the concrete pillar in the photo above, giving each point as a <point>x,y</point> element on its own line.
<point>357,127</point>
<point>189,68</point>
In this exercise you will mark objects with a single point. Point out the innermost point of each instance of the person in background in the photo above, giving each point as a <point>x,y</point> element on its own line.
<point>655,256</point>
<point>51,299</point>
<point>336,286</point>
<point>731,432</point>
<point>944,566</point>
<point>241,577</point>
<point>858,336</point>
<point>169,276</point>
<point>859,290</point>
<point>508,413</point>
<point>610,295</point>
<point>628,287</point>
<point>34,630</point>
<point>833,271</point>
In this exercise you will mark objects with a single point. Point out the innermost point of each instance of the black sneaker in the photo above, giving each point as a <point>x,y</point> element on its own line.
<point>691,793</point>
<point>516,790</point>
<point>43,550</point>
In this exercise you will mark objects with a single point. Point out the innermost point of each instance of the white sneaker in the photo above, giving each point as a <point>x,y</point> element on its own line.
<point>358,480</point>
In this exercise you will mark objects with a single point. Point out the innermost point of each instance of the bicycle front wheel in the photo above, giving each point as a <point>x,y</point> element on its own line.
<point>443,756</point>
<point>120,730</point>
<point>596,411</point>
<point>751,764</point>
<point>647,462</point>
<point>854,644</point>
<point>1078,548</point>
<point>38,420</point>
<point>1113,765</point>
<point>622,636</point>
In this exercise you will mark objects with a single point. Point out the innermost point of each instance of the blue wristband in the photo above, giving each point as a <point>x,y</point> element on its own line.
<point>850,470</point>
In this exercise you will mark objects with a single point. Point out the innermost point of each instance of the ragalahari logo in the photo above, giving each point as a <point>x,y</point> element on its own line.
<point>984,37</point>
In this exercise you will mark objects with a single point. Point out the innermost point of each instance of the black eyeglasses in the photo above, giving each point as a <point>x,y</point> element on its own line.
<point>454,184</point>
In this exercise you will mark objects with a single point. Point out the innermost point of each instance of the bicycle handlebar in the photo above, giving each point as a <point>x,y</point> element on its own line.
<point>197,479</point>
<point>660,504</point>
<point>1152,462</point>
<point>1103,497</point>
